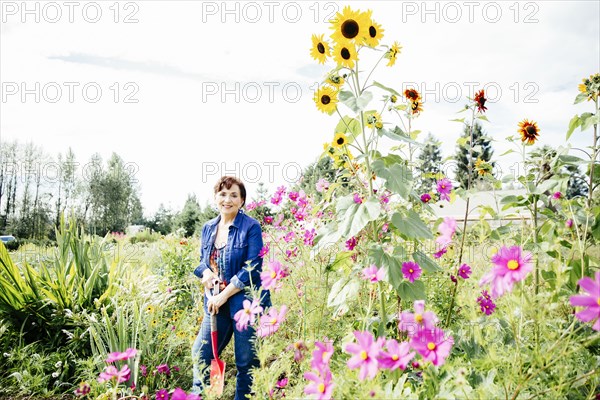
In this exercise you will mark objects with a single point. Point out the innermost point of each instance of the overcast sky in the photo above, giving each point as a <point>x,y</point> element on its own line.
<point>185,91</point>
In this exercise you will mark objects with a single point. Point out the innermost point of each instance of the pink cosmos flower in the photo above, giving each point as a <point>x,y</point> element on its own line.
<point>444,186</point>
<point>180,394</point>
<point>293,196</point>
<point>309,236</point>
<point>289,236</point>
<point>144,370</point>
<point>365,354</point>
<point>447,229</point>
<point>247,315</point>
<point>411,271</point>
<point>357,198</point>
<point>299,348</point>
<point>271,276</point>
<point>163,369</point>
<point>486,304</point>
<point>321,386</point>
<point>440,253</point>
<point>83,389</point>
<point>351,243</point>
<point>269,324</point>
<point>291,253</point>
<point>557,195</point>
<point>420,320</point>
<point>322,354</point>
<point>432,345</point>
<point>425,197</point>
<point>264,251</point>
<point>512,265</point>
<point>117,356</point>
<point>590,300</point>
<point>464,271</point>
<point>268,220</point>
<point>385,227</point>
<point>251,206</point>
<point>398,355</point>
<point>322,185</point>
<point>373,274</point>
<point>111,372</point>
<point>162,394</point>
<point>569,223</point>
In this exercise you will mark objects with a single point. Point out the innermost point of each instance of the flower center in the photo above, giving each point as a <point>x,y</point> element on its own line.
<point>443,186</point>
<point>273,274</point>
<point>372,31</point>
<point>321,48</point>
<point>325,99</point>
<point>512,265</point>
<point>321,387</point>
<point>273,321</point>
<point>364,355</point>
<point>340,141</point>
<point>431,346</point>
<point>395,357</point>
<point>247,310</point>
<point>345,53</point>
<point>419,318</point>
<point>350,29</point>
<point>598,301</point>
<point>531,130</point>
<point>411,270</point>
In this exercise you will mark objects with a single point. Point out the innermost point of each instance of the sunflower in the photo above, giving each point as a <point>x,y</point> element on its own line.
<point>393,98</point>
<point>529,131</point>
<point>326,99</point>
<point>345,54</point>
<point>414,98</point>
<point>374,32</point>
<point>391,54</point>
<point>320,49</point>
<point>334,79</point>
<point>374,120</point>
<point>339,140</point>
<point>482,167</point>
<point>349,26</point>
<point>480,101</point>
<point>149,309</point>
<point>416,106</point>
<point>591,86</point>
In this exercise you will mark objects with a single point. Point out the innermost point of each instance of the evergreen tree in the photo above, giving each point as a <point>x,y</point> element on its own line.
<point>482,149</point>
<point>189,216</point>
<point>428,165</point>
<point>322,168</point>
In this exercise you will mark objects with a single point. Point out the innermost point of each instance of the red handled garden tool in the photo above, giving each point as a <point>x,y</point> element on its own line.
<point>217,366</point>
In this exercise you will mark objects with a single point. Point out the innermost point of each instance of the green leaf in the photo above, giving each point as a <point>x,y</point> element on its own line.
<point>425,262</point>
<point>411,225</point>
<point>507,152</point>
<point>391,263</point>
<point>483,118</point>
<point>363,101</point>
<point>357,216</point>
<point>398,178</point>
<point>411,291</point>
<point>392,91</point>
<point>342,291</point>
<point>587,120</point>
<point>580,97</point>
<point>573,124</point>
<point>346,97</point>
<point>571,160</point>
<point>462,120</point>
<point>349,126</point>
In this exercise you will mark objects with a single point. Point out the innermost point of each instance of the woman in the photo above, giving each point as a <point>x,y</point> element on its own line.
<point>230,242</point>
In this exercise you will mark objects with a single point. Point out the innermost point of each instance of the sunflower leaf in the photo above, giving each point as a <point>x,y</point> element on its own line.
<point>398,178</point>
<point>392,91</point>
<point>580,97</point>
<point>458,120</point>
<point>363,101</point>
<point>425,262</point>
<point>347,98</point>
<point>483,118</point>
<point>411,225</point>
<point>587,120</point>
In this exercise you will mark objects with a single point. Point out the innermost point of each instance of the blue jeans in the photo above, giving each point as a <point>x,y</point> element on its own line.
<point>245,353</point>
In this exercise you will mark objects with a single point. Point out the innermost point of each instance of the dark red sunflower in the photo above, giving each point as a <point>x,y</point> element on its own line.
<point>480,101</point>
<point>529,131</point>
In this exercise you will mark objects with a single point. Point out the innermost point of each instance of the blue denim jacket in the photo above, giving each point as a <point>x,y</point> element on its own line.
<point>244,242</point>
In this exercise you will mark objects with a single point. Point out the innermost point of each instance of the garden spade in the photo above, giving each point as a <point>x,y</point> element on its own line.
<point>217,366</point>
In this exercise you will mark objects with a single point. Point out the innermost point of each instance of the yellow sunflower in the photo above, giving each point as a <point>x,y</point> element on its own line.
<point>392,53</point>
<point>339,140</point>
<point>374,32</point>
<point>590,86</point>
<point>149,309</point>
<point>529,131</point>
<point>345,54</point>
<point>414,99</point>
<point>326,99</point>
<point>320,49</point>
<point>334,79</point>
<point>374,120</point>
<point>349,26</point>
<point>482,167</point>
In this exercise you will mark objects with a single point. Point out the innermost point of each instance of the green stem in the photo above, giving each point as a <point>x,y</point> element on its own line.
<point>381,331</point>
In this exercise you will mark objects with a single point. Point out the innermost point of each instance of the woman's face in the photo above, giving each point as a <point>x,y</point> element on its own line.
<point>229,201</point>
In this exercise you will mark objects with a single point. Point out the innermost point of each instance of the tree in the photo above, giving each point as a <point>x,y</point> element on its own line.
<point>429,162</point>
<point>162,221</point>
<point>189,217</point>
<point>481,149</point>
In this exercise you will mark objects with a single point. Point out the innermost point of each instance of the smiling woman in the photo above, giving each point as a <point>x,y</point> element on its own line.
<point>229,242</point>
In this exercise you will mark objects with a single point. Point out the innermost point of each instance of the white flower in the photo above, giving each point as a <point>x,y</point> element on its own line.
<point>6,354</point>
<point>55,374</point>
<point>58,364</point>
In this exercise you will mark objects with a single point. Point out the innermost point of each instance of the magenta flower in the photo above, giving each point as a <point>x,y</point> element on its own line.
<point>144,370</point>
<point>569,223</point>
<point>486,304</point>
<point>398,355</point>
<point>251,206</point>
<point>425,197</point>
<point>365,354</point>
<point>162,394</point>
<point>117,356</point>
<point>557,195</point>
<point>321,384</point>
<point>271,276</point>
<point>357,198</point>
<point>289,236</point>
<point>111,372</point>
<point>444,186</point>
<point>282,383</point>
<point>447,229</point>
<point>247,315</point>
<point>385,227</point>
<point>268,220</point>
<point>83,389</point>
<point>464,271</point>
<point>432,345</point>
<point>590,300</point>
<point>269,324</point>
<point>293,196</point>
<point>309,236</point>
<point>180,394</point>
<point>322,185</point>
<point>440,253</point>
<point>420,320</point>
<point>264,251</point>
<point>411,271</point>
<point>373,274</point>
<point>512,265</point>
<point>299,348</point>
<point>351,243</point>
<point>163,369</point>
<point>322,354</point>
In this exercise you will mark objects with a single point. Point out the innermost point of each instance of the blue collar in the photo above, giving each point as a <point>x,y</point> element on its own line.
<point>236,222</point>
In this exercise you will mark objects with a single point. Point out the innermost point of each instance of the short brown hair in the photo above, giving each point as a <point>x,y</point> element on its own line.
<point>228,181</point>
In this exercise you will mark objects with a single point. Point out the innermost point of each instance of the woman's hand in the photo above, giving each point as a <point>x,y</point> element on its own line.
<point>208,279</point>
<point>216,301</point>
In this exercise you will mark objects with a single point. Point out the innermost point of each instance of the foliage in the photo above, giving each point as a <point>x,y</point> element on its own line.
<point>481,150</point>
